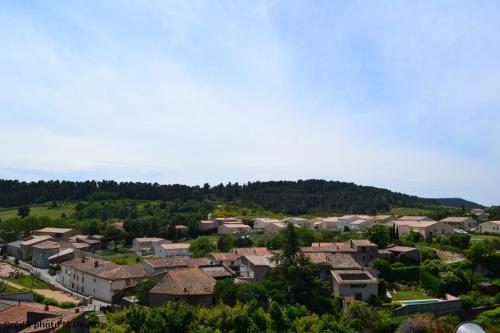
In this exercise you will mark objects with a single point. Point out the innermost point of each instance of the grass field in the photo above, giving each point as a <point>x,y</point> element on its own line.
<point>213,238</point>
<point>410,211</point>
<point>6,289</point>
<point>29,281</point>
<point>39,211</point>
<point>409,295</point>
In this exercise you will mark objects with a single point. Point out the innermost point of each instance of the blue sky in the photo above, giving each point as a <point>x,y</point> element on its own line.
<point>396,94</point>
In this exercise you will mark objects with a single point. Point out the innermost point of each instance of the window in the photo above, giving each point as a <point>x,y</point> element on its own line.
<point>358,296</point>
<point>83,279</point>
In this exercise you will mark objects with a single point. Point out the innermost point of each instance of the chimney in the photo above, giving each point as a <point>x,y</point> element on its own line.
<point>350,242</point>
<point>77,310</point>
<point>83,259</point>
<point>18,303</point>
<point>46,307</point>
<point>96,263</point>
<point>185,290</point>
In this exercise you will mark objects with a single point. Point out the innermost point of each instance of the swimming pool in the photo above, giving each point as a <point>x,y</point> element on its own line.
<point>420,301</point>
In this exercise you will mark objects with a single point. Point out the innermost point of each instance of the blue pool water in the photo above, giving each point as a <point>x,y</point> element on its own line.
<point>422,301</point>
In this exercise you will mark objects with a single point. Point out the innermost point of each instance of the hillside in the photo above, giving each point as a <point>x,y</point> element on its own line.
<point>457,202</point>
<point>287,197</point>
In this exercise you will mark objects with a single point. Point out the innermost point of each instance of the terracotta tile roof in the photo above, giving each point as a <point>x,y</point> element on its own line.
<point>457,219</point>
<point>55,230</point>
<point>415,224</point>
<point>105,269</point>
<point>260,251</point>
<point>14,312</point>
<point>185,281</point>
<point>47,245</point>
<point>223,256</point>
<point>36,240</point>
<point>401,249</point>
<point>260,260</point>
<point>363,242</point>
<point>165,262</point>
<point>196,262</point>
<point>317,257</point>
<point>148,239</point>
<point>342,261</point>
<point>176,246</point>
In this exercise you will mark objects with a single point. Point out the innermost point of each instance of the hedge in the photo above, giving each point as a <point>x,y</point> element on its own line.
<point>407,274</point>
<point>431,282</point>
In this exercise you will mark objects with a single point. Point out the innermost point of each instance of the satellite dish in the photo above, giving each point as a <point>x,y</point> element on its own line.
<point>469,327</point>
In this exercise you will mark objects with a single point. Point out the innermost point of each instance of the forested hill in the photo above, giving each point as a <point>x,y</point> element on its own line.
<point>457,202</point>
<point>290,197</point>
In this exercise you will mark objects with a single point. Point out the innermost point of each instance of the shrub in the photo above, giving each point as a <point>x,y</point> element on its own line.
<point>67,304</point>
<point>431,282</point>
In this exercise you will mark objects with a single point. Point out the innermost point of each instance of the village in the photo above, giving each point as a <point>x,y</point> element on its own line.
<point>75,273</point>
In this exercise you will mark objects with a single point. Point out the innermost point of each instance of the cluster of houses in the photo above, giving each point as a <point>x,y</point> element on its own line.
<point>49,244</point>
<point>193,279</point>
<point>424,225</point>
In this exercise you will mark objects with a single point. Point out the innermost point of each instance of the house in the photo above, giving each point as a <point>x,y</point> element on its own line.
<point>23,316</point>
<point>14,248</point>
<point>480,214</point>
<point>332,261</point>
<point>165,250</point>
<point>274,227</point>
<point>93,243</point>
<point>345,220</point>
<point>492,227</point>
<point>261,222</point>
<point>459,222</point>
<point>362,250</point>
<point>146,243</point>
<point>41,253</point>
<point>384,218</point>
<point>425,228</point>
<point>207,225</point>
<point>98,278</point>
<point>404,252</point>
<point>358,284</point>
<point>190,285</point>
<point>233,228</point>
<point>27,245</point>
<point>298,221</point>
<point>226,220</point>
<point>254,267</point>
<point>218,272</point>
<point>229,259</point>
<point>324,223</point>
<point>154,266</point>
<point>57,233</point>
<point>63,255</point>
<point>415,218</point>
<point>360,225</point>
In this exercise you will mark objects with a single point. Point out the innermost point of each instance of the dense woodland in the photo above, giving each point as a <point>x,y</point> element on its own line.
<point>288,197</point>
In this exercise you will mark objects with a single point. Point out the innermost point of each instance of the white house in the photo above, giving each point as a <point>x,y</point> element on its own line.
<point>261,222</point>
<point>460,222</point>
<point>359,225</point>
<point>324,223</point>
<point>425,228</point>
<point>233,228</point>
<point>98,278</point>
<point>298,221</point>
<point>146,243</point>
<point>358,284</point>
<point>492,227</point>
<point>172,250</point>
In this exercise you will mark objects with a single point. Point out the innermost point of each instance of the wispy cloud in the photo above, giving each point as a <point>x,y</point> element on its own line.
<point>400,96</point>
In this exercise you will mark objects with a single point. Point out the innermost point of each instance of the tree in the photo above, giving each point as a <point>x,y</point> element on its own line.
<point>225,243</point>
<point>201,246</point>
<point>481,250</point>
<point>23,211</point>
<point>291,246</point>
<point>243,242</point>
<point>379,234</point>
<point>113,234</point>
